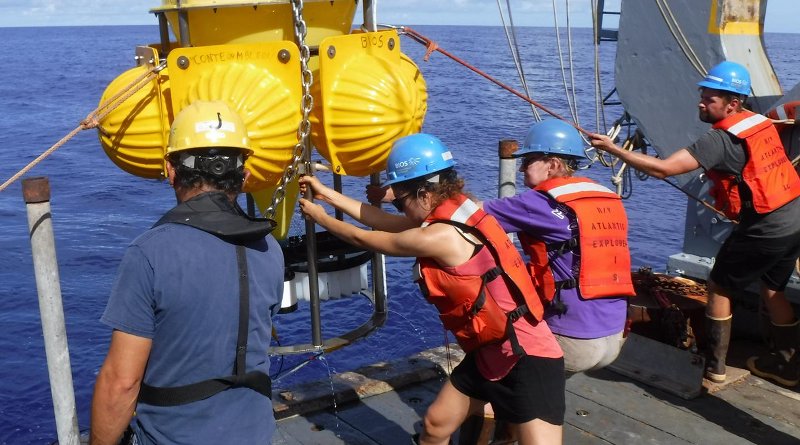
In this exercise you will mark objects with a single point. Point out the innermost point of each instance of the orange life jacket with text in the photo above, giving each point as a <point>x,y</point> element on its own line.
<point>465,303</point>
<point>768,172</point>
<point>602,239</point>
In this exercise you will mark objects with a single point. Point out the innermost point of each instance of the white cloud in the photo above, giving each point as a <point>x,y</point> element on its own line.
<point>77,12</point>
<point>780,14</point>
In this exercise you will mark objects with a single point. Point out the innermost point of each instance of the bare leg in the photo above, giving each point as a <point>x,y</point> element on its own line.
<point>719,301</point>
<point>446,414</point>
<point>780,310</point>
<point>538,432</point>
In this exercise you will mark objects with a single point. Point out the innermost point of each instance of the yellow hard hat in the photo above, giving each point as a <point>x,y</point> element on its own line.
<point>208,124</point>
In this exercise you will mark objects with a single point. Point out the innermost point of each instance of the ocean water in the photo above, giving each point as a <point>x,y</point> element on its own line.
<point>53,77</point>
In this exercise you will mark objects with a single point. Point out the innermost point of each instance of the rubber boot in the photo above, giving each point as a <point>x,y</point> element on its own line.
<point>718,331</point>
<point>780,365</point>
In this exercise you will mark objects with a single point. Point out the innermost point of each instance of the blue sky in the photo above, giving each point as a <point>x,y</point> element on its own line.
<point>781,14</point>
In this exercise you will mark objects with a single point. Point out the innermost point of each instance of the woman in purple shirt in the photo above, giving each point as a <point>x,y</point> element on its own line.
<point>589,305</point>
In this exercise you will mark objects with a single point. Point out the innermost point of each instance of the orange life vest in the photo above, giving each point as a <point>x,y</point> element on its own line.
<point>768,172</point>
<point>465,304</point>
<point>603,242</point>
<point>784,111</point>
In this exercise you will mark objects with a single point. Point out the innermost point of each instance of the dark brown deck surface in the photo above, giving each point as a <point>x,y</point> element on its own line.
<point>602,408</point>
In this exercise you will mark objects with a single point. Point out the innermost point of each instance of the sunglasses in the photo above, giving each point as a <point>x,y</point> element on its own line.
<point>528,160</point>
<point>400,202</point>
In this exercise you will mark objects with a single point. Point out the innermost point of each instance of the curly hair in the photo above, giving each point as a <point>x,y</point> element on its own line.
<point>193,177</point>
<point>449,185</point>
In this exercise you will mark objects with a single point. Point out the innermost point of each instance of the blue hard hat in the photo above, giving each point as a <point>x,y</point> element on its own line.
<point>416,156</point>
<point>728,76</point>
<point>553,137</point>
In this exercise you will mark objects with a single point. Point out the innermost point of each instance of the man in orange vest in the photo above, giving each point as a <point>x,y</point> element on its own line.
<point>754,181</point>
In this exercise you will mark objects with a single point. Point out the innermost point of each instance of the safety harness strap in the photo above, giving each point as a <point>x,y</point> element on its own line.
<point>558,306</point>
<point>515,292</point>
<point>255,380</point>
<point>490,275</point>
<point>559,247</point>
<point>244,311</point>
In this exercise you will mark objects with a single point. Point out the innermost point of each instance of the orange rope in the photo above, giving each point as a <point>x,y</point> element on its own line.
<point>92,120</point>
<point>433,46</point>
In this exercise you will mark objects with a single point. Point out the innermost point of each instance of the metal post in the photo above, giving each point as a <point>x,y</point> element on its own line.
<point>163,29</point>
<point>311,254</point>
<point>337,185</point>
<point>378,265</point>
<point>507,177</point>
<point>370,15</point>
<point>36,192</point>
<point>183,27</point>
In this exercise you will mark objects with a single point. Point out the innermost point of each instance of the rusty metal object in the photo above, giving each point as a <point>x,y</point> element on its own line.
<point>36,190</point>
<point>507,148</point>
<point>668,309</point>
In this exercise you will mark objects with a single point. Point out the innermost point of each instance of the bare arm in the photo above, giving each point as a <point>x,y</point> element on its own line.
<point>117,387</point>
<point>679,162</point>
<point>364,213</point>
<point>438,241</point>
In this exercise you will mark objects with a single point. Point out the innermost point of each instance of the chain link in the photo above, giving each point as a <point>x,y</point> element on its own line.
<point>306,105</point>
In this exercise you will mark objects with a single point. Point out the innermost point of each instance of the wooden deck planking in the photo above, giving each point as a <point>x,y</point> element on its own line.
<point>617,410</point>
<point>321,428</point>
<point>611,425</point>
<point>706,419</point>
<point>387,419</point>
<point>393,417</point>
<point>577,436</point>
<point>763,412</point>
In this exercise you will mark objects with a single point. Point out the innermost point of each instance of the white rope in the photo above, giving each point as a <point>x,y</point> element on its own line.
<point>561,60</point>
<point>572,69</point>
<point>599,109</point>
<point>512,45</point>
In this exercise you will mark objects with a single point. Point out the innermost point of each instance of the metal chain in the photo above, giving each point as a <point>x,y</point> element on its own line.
<point>306,105</point>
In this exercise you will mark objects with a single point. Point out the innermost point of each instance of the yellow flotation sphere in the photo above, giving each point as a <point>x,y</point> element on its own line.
<point>134,134</point>
<point>368,95</point>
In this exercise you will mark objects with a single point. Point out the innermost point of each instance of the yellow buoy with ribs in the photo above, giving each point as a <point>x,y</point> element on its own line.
<point>366,92</point>
<point>368,95</point>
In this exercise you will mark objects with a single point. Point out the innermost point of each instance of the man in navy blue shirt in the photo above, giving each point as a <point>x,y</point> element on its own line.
<point>192,303</point>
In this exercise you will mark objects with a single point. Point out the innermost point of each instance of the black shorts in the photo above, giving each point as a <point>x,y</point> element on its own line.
<point>743,259</point>
<point>533,389</point>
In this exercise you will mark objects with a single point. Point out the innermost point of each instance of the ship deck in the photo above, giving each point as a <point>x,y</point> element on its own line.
<point>383,404</point>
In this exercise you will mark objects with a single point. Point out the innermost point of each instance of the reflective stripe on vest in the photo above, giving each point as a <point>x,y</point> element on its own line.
<point>603,240</point>
<point>457,296</point>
